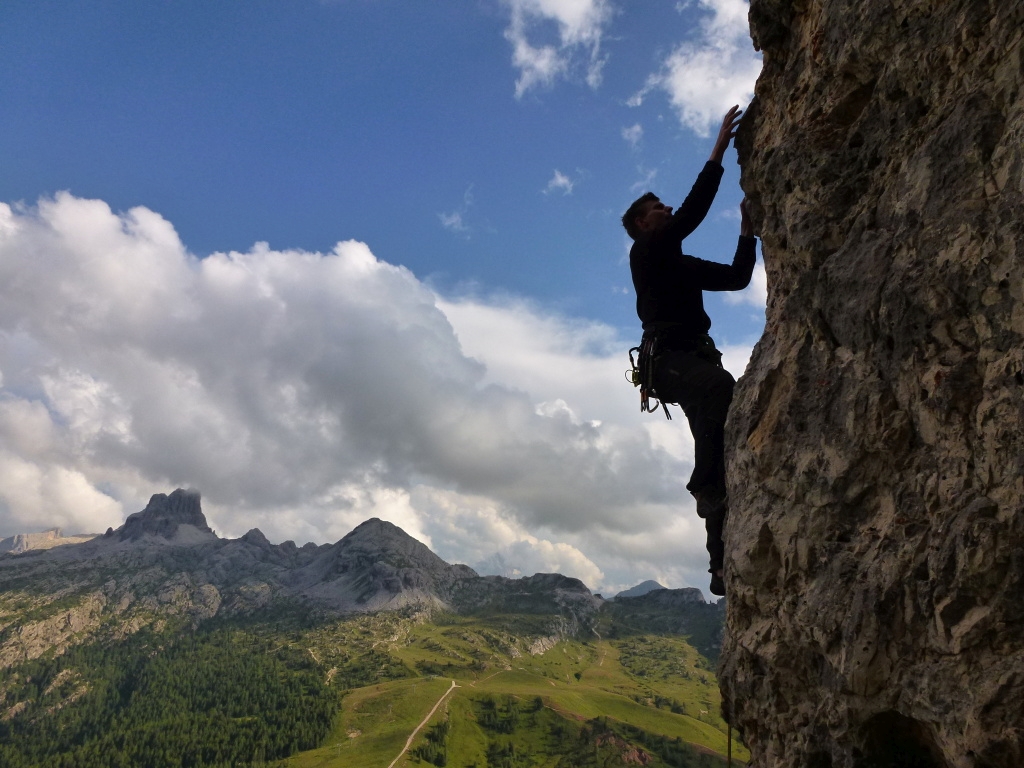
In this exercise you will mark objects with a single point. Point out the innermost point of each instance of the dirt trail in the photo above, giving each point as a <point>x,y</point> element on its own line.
<point>419,727</point>
<point>473,684</point>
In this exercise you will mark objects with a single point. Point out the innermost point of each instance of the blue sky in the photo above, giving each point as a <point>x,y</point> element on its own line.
<point>488,148</point>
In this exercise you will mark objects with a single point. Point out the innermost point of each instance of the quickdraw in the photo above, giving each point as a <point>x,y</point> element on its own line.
<point>641,373</point>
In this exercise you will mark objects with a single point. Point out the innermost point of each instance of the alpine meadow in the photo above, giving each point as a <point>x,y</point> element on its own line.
<point>161,644</point>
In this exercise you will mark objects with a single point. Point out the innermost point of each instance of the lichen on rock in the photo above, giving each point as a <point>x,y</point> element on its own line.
<point>875,546</point>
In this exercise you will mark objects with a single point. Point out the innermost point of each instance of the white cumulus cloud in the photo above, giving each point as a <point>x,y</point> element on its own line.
<point>559,183</point>
<point>305,392</point>
<point>633,134</point>
<point>755,294</point>
<point>475,530</point>
<point>578,27</point>
<point>455,221</point>
<point>716,68</point>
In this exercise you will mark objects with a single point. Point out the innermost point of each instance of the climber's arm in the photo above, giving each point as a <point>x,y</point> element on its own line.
<point>736,276</point>
<point>695,207</point>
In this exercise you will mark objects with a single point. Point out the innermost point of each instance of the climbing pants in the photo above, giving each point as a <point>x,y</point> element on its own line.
<point>704,391</point>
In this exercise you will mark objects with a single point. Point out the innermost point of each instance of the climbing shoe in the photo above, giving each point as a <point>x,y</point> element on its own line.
<point>717,584</point>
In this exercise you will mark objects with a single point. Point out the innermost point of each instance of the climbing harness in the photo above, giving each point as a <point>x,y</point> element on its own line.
<point>642,372</point>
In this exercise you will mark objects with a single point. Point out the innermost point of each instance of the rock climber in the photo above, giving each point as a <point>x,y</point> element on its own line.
<point>684,365</point>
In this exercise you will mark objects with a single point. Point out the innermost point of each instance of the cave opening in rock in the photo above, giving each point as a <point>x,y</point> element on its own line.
<point>892,740</point>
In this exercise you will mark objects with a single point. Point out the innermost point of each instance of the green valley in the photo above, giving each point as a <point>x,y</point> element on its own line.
<point>162,645</point>
<point>640,699</point>
<point>351,691</point>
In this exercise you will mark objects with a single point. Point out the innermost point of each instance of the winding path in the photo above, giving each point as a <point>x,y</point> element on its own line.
<point>430,714</point>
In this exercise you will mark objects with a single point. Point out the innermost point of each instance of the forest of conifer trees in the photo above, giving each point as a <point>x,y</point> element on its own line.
<point>219,697</point>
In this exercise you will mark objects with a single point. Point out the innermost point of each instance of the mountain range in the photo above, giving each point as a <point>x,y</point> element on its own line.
<point>165,564</point>
<point>54,537</point>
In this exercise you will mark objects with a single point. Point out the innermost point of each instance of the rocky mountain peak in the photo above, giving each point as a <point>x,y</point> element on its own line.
<point>375,528</point>
<point>378,544</point>
<point>640,589</point>
<point>164,514</point>
<point>255,537</point>
<point>380,538</point>
<point>379,565</point>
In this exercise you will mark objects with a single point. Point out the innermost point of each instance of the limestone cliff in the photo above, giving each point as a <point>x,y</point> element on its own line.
<point>875,551</point>
<point>54,537</point>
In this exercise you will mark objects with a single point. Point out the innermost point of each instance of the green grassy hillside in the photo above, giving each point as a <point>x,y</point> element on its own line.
<point>569,703</point>
<point>355,691</point>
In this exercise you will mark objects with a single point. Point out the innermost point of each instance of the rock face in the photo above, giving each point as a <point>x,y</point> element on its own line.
<point>875,549</point>
<point>379,566</point>
<point>541,593</point>
<point>164,514</point>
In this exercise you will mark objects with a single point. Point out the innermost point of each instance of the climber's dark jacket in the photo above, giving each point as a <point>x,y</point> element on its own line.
<point>669,283</point>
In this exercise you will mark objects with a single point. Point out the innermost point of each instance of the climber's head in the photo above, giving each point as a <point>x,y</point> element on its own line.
<point>646,214</point>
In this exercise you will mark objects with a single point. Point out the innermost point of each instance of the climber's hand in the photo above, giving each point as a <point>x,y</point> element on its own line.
<point>726,133</point>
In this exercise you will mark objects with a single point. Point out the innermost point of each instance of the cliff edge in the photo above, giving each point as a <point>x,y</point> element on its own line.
<point>875,547</point>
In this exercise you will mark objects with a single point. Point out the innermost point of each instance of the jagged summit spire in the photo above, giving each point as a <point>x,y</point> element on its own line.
<point>164,514</point>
